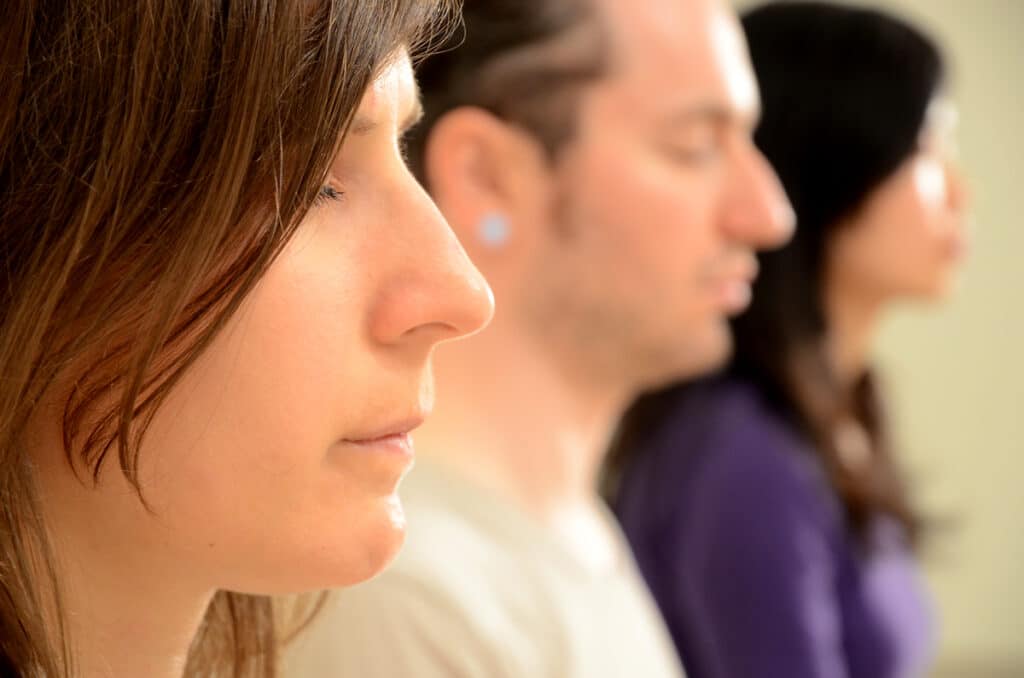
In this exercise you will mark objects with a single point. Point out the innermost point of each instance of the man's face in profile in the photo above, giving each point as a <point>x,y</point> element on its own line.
<point>663,198</point>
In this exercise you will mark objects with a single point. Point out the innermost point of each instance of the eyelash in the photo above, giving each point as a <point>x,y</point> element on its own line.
<point>403,145</point>
<point>327,193</point>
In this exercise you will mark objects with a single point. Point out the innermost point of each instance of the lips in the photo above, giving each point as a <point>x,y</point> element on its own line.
<point>392,442</point>
<point>745,270</point>
<point>400,446</point>
<point>737,266</point>
<point>731,283</point>
<point>392,433</point>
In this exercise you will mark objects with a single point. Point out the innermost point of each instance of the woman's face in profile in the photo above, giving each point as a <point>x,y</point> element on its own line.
<point>908,239</point>
<point>274,463</point>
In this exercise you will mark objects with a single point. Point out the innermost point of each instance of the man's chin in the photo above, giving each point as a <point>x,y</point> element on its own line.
<point>704,355</point>
<point>712,358</point>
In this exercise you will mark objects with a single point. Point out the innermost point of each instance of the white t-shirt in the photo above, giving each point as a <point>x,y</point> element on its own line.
<point>480,590</point>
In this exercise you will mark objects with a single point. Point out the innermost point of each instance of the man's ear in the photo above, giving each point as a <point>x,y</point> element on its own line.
<point>479,169</point>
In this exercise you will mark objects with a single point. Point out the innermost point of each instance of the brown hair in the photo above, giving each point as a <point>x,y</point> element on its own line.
<point>155,156</point>
<point>525,61</point>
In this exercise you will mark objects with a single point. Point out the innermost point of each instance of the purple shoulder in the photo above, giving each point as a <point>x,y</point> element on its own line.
<point>718,440</point>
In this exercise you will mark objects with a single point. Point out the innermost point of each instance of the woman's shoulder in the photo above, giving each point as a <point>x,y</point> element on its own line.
<point>722,440</point>
<point>726,419</point>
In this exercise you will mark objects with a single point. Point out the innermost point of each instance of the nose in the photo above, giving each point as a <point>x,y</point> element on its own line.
<point>431,292</point>
<point>757,212</point>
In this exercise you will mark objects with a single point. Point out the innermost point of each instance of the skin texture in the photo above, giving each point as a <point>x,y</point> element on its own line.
<point>253,469</point>
<point>625,255</point>
<point>664,201</point>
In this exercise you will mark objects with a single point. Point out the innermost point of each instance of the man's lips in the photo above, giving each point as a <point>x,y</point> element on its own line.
<point>730,284</point>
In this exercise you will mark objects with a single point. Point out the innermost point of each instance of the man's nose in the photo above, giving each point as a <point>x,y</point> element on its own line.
<point>757,211</point>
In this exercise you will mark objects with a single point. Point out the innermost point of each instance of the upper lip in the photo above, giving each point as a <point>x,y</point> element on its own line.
<point>396,428</point>
<point>745,270</point>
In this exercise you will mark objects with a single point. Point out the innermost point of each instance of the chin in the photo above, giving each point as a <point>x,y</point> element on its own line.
<point>375,560</point>
<point>358,550</point>
<point>712,351</point>
<point>701,355</point>
<point>366,557</point>
<point>716,357</point>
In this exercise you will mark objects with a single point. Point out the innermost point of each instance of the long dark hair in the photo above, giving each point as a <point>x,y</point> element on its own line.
<point>845,93</point>
<point>155,156</point>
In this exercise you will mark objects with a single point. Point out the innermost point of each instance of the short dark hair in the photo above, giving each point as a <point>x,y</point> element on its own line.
<point>515,59</point>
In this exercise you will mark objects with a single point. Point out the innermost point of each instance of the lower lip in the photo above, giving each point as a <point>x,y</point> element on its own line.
<point>398,445</point>
<point>733,294</point>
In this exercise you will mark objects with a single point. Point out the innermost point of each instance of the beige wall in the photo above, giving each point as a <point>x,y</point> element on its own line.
<point>956,373</point>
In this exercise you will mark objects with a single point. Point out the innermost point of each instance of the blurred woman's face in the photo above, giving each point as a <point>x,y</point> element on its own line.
<point>273,465</point>
<point>907,239</point>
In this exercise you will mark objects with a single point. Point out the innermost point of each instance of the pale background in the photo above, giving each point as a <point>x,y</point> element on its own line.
<point>956,373</point>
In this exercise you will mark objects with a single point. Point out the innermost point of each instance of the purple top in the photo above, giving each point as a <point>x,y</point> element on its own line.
<point>743,545</point>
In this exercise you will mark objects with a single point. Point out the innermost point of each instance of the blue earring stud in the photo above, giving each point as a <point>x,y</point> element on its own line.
<point>494,230</point>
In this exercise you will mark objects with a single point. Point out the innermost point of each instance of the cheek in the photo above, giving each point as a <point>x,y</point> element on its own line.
<point>644,241</point>
<point>650,217</point>
<point>874,257</point>
<point>238,458</point>
<point>273,378</point>
<point>898,247</point>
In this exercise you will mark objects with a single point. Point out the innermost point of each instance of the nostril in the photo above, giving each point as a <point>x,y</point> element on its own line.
<point>430,333</point>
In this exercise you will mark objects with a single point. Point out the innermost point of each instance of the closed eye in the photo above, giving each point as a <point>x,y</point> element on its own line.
<point>327,193</point>
<point>695,155</point>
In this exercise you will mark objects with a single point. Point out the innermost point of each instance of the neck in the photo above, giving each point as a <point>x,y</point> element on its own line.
<point>123,626</point>
<point>510,420</point>
<point>853,321</point>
